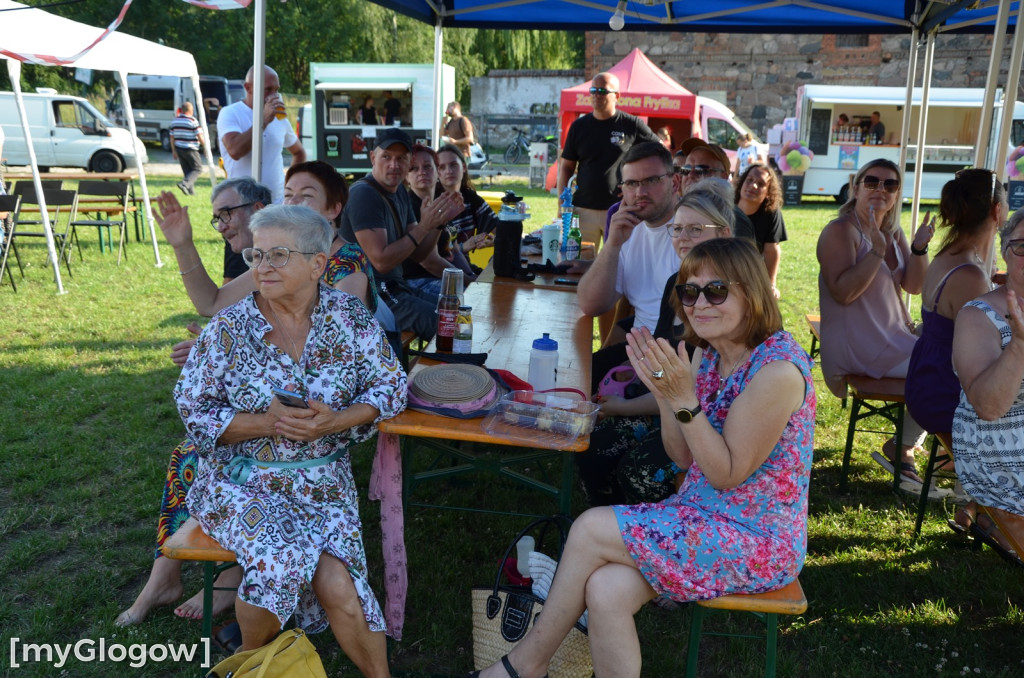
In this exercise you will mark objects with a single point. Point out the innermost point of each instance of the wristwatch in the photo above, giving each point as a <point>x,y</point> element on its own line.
<point>685,415</point>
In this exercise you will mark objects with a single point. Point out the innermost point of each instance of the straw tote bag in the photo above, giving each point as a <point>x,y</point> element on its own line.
<point>502,614</point>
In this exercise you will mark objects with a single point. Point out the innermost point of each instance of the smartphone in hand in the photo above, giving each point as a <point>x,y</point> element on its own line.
<point>290,398</point>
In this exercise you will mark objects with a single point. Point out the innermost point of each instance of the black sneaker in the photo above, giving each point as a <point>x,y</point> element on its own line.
<point>183,188</point>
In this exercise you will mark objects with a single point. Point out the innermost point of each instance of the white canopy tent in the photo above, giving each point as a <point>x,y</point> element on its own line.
<point>35,36</point>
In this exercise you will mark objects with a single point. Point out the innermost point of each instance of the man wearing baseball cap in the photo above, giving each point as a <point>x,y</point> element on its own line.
<point>379,217</point>
<point>696,159</point>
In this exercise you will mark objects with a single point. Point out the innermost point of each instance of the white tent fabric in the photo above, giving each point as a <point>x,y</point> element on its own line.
<point>36,36</point>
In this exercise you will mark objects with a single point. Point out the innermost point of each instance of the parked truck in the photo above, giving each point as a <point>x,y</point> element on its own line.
<point>841,148</point>
<point>157,99</point>
<point>338,91</point>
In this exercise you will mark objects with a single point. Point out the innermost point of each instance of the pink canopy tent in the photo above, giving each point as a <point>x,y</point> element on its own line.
<point>645,91</point>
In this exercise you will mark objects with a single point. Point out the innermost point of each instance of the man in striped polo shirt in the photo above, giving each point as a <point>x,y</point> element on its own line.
<point>186,136</point>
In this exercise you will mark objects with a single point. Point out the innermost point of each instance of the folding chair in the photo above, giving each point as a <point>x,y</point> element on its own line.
<point>113,203</point>
<point>58,202</point>
<point>9,206</point>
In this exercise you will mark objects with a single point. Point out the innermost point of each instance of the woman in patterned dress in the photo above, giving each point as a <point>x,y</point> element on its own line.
<point>988,426</point>
<point>274,483</point>
<point>743,425</point>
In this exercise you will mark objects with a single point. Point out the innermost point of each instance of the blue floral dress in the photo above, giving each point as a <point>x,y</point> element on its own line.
<point>703,543</point>
<point>279,521</point>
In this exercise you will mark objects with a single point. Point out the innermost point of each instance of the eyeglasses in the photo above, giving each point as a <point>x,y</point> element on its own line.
<point>962,174</point>
<point>275,256</point>
<point>1015,246</point>
<point>649,182</point>
<point>602,91</point>
<point>873,183</point>
<point>715,292</point>
<point>691,230</point>
<point>224,216</point>
<point>699,171</point>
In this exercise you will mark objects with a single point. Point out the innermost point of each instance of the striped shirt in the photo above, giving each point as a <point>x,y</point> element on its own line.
<point>185,130</point>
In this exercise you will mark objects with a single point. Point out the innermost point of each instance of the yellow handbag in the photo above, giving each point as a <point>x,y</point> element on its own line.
<point>290,655</point>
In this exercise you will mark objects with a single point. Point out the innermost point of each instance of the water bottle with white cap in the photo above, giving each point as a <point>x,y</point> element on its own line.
<point>543,363</point>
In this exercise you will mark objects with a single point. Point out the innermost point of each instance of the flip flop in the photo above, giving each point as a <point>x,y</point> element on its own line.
<point>986,535</point>
<point>228,637</point>
<point>962,520</point>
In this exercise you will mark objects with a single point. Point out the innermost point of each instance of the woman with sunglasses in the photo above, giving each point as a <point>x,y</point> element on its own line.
<point>972,209</point>
<point>988,356</point>
<point>626,461</point>
<point>759,196</point>
<point>865,263</point>
<point>274,482</point>
<point>739,415</point>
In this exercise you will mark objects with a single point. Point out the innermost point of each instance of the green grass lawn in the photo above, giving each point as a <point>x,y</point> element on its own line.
<point>88,423</point>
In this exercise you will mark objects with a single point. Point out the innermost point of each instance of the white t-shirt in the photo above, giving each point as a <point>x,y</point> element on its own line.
<point>277,136</point>
<point>645,263</point>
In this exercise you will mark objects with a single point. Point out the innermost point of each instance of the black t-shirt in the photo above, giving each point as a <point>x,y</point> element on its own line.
<point>392,109</point>
<point>743,227</point>
<point>597,146</point>
<point>367,208</point>
<point>768,226</point>
<point>234,264</point>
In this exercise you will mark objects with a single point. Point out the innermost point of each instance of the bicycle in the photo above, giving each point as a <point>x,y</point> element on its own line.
<point>520,147</point>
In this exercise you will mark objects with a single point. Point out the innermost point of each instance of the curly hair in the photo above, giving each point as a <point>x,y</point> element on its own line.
<point>773,200</point>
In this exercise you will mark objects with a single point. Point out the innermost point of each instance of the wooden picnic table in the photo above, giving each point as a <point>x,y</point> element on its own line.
<point>506,320</point>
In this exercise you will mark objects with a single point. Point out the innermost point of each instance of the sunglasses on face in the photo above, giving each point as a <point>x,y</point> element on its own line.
<point>602,91</point>
<point>699,171</point>
<point>1016,246</point>
<point>691,230</point>
<point>873,183</point>
<point>275,256</point>
<point>715,292</point>
<point>649,182</point>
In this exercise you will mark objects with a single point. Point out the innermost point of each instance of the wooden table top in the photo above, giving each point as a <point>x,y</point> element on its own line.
<point>506,320</point>
<point>542,280</point>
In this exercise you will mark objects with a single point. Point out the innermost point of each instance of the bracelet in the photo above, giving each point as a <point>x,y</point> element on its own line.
<point>409,236</point>
<point>880,256</point>
<point>918,253</point>
<point>184,273</point>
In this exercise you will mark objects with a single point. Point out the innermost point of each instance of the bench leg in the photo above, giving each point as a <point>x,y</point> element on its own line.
<point>209,574</point>
<point>696,622</point>
<point>850,431</point>
<point>771,624</point>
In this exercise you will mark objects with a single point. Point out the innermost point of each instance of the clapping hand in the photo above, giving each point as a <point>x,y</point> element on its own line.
<point>666,372</point>
<point>1014,315</point>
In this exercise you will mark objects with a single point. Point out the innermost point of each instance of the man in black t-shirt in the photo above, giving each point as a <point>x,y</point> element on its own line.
<point>593,150</point>
<point>392,108</point>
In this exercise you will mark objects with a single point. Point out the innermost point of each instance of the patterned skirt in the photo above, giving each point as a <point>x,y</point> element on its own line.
<point>181,472</point>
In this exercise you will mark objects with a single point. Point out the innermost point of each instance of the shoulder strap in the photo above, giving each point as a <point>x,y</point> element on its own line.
<point>399,226</point>
<point>942,284</point>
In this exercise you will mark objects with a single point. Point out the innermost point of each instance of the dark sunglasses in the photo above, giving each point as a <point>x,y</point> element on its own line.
<point>699,171</point>
<point>871,183</point>
<point>602,91</point>
<point>716,292</point>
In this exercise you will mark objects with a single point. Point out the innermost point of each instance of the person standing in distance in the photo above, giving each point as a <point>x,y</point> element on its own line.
<point>457,129</point>
<point>593,151</point>
<point>186,138</point>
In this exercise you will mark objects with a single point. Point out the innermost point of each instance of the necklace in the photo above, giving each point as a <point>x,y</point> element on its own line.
<point>722,377</point>
<point>280,326</point>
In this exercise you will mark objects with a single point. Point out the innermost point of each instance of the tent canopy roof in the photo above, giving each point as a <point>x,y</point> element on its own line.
<point>644,89</point>
<point>33,31</point>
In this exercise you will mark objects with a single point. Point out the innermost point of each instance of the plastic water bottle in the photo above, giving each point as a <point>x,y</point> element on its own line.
<point>566,199</point>
<point>463,341</point>
<point>543,363</point>
<point>574,243</point>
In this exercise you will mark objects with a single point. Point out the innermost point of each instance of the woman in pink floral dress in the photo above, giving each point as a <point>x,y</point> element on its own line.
<point>745,409</point>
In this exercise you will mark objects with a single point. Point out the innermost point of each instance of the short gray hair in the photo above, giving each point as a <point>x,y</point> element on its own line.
<point>311,231</point>
<point>1011,225</point>
<point>712,199</point>
<point>247,188</point>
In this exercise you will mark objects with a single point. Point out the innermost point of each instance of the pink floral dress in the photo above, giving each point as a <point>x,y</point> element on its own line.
<point>704,543</point>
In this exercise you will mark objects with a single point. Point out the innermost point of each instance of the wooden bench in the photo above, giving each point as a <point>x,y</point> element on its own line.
<point>189,542</point>
<point>814,322</point>
<point>767,607</point>
<point>865,391</point>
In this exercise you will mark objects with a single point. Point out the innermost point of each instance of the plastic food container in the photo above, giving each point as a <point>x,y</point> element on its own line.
<point>548,420</point>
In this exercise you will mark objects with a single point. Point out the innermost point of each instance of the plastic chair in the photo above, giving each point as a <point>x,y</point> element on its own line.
<point>116,193</point>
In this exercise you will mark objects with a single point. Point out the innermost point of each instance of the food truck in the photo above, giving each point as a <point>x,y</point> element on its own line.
<point>954,116</point>
<point>338,91</point>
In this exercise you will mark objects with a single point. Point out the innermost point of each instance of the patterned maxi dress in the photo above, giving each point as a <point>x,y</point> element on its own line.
<point>279,521</point>
<point>704,543</point>
<point>989,455</point>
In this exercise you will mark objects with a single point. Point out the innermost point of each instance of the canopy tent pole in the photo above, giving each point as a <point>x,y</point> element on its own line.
<point>14,72</point>
<point>204,125</point>
<point>981,155</point>
<point>122,77</point>
<point>1010,97</point>
<point>259,57</point>
<point>438,49</point>
<point>922,126</point>
<point>915,35</point>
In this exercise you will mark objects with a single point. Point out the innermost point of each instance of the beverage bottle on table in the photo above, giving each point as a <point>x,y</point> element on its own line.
<point>575,242</point>
<point>447,314</point>
<point>543,363</point>
<point>566,199</point>
<point>463,341</point>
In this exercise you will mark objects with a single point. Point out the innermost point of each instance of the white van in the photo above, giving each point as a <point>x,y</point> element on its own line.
<point>157,99</point>
<point>67,131</point>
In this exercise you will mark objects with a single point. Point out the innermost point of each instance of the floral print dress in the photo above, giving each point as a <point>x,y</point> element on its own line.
<point>280,520</point>
<point>703,543</point>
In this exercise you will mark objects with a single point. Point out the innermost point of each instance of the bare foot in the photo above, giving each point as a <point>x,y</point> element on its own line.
<point>222,600</point>
<point>162,588</point>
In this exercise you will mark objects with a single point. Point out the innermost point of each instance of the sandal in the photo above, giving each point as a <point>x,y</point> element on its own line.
<point>988,534</point>
<point>228,637</point>
<point>963,519</point>
<point>907,470</point>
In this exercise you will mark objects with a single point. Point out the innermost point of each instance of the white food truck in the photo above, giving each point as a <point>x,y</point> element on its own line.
<point>954,115</point>
<point>338,91</point>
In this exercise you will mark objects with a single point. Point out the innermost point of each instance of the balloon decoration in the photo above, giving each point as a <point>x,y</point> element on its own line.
<point>1015,164</point>
<point>794,158</point>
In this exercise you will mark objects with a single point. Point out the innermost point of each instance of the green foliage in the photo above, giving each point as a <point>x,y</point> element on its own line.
<point>303,31</point>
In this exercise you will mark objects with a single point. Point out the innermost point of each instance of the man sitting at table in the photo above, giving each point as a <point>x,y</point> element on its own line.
<point>379,217</point>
